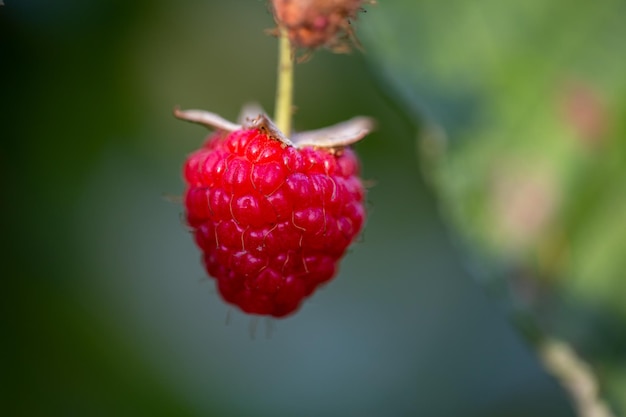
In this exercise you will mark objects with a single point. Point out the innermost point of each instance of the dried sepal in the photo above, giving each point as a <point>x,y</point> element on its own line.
<point>250,111</point>
<point>252,117</point>
<point>207,119</point>
<point>335,136</point>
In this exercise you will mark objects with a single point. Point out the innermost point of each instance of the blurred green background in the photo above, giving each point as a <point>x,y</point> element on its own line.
<point>106,309</point>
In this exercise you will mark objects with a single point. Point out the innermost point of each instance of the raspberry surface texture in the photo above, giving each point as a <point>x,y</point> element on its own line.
<point>272,220</point>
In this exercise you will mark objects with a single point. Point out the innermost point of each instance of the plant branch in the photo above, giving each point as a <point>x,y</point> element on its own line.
<point>577,378</point>
<point>284,87</point>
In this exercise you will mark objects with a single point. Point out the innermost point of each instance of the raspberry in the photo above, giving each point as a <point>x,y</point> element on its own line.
<point>272,219</point>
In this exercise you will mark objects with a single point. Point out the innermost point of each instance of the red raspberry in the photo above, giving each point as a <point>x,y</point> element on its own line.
<point>271,219</point>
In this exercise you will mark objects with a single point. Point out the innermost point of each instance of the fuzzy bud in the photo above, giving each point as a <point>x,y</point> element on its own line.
<point>312,24</point>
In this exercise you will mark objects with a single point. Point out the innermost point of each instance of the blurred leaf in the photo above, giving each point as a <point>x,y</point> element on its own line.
<point>521,105</point>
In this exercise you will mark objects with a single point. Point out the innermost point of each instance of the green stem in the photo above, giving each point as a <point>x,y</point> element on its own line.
<point>284,88</point>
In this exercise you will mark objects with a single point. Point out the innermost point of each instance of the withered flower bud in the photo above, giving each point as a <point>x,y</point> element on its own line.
<point>312,24</point>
